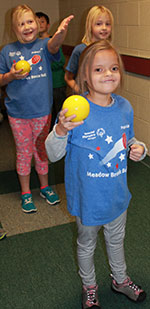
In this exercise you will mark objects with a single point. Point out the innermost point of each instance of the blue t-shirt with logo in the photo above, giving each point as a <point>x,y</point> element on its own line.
<point>96,163</point>
<point>31,97</point>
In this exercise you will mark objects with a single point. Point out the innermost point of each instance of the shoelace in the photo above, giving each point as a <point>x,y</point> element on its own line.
<point>134,286</point>
<point>91,296</point>
<point>28,200</point>
<point>50,193</point>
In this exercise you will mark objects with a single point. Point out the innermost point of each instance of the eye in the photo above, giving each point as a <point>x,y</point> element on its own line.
<point>99,23</point>
<point>99,70</point>
<point>115,68</point>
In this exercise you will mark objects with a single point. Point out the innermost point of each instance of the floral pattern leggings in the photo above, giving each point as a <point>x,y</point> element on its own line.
<point>30,135</point>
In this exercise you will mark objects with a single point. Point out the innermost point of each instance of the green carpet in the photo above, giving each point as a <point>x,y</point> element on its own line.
<point>39,269</point>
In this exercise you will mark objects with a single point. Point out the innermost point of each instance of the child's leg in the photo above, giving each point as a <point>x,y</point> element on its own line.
<point>114,233</point>
<point>86,244</point>
<point>41,128</point>
<point>22,133</point>
<point>24,183</point>
<point>121,283</point>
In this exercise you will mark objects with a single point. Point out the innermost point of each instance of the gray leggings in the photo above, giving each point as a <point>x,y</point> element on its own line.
<point>114,233</point>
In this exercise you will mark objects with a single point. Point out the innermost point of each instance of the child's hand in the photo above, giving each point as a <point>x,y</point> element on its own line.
<point>11,75</point>
<point>136,151</point>
<point>16,73</point>
<point>56,41</point>
<point>64,24</point>
<point>65,124</point>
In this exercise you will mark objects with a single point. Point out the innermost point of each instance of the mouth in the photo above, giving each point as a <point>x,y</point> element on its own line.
<point>28,33</point>
<point>109,81</point>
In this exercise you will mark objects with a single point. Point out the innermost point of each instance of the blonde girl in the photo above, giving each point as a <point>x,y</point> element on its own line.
<point>99,25</point>
<point>30,97</point>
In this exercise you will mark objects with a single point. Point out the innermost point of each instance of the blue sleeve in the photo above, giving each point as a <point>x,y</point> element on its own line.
<point>73,62</point>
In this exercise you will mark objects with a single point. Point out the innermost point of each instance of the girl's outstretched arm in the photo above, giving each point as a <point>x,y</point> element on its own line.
<point>56,41</point>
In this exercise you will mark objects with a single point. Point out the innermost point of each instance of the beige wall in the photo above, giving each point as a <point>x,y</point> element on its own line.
<point>132,24</point>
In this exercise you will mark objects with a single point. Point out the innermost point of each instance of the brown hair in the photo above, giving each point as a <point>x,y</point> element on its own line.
<point>93,14</point>
<point>87,58</point>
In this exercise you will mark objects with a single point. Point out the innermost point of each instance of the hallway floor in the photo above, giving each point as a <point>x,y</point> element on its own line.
<point>12,218</point>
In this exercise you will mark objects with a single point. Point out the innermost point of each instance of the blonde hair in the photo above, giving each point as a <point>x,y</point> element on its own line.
<point>18,11</point>
<point>86,61</point>
<point>92,16</point>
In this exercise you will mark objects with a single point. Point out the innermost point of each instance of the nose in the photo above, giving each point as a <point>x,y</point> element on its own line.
<point>104,26</point>
<point>108,72</point>
<point>27,26</point>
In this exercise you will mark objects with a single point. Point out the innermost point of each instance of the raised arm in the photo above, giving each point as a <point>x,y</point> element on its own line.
<point>56,41</point>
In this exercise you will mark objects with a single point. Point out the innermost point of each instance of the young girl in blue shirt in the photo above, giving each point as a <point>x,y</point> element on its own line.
<point>96,168</point>
<point>99,25</point>
<point>29,98</point>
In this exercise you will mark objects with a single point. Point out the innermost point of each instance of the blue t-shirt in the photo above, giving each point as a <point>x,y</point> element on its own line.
<point>96,163</point>
<point>31,97</point>
<point>73,62</point>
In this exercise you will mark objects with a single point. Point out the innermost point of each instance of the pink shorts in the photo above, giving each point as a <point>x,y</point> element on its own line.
<point>30,135</point>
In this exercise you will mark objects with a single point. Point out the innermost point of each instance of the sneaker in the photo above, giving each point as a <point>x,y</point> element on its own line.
<point>90,297</point>
<point>2,234</point>
<point>51,197</point>
<point>131,290</point>
<point>27,203</point>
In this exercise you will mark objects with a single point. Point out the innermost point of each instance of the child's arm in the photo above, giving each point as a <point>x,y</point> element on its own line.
<point>56,41</point>
<point>57,139</point>
<point>11,75</point>
<point>55,145</point>
<point>69,78</point>
<point>138,150</point>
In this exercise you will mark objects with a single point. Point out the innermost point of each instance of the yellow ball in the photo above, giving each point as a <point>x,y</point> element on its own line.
<point>22,64</point>
<point>77,105</point>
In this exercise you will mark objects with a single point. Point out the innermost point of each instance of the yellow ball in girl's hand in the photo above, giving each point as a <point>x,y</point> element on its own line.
<point>23,64</point>
<point>77,105</point>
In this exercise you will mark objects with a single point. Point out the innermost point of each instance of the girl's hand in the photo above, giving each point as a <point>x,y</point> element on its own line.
<point>56,41</point>
<point>65,124</point>
<point>11,75</point>
<point>64,24</point>
<point>136,151</point>
<point>16,74</point>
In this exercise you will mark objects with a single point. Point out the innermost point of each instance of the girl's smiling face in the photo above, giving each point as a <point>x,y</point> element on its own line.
<point>104,76</point>
<point>101,28</point>
<point>26,28</point>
